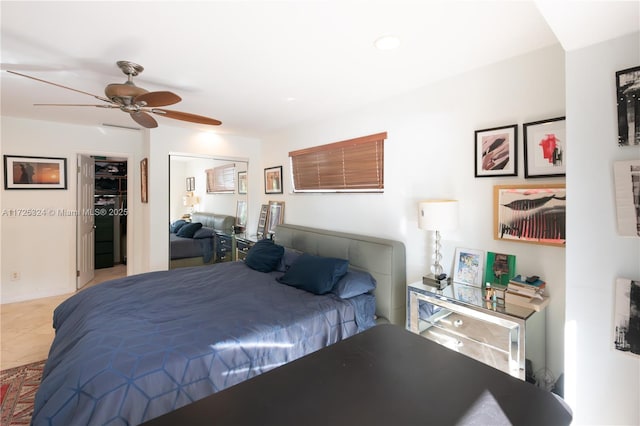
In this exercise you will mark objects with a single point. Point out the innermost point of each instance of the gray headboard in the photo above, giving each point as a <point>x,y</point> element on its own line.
<point>384,259</point>
<point>219,222</point>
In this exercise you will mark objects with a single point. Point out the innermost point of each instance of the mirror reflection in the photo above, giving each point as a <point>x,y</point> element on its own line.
<point>208,199</point>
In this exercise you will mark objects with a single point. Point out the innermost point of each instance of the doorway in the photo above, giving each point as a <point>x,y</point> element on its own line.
<point>102,218</point>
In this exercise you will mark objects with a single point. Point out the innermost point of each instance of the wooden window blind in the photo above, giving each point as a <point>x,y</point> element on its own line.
<point>221,179</point>
<point>354,165</point>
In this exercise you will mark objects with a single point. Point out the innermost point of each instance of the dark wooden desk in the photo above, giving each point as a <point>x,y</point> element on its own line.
<point>384,376</point>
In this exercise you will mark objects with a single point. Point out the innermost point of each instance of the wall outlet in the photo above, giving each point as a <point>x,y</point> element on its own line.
<point>15,276</point>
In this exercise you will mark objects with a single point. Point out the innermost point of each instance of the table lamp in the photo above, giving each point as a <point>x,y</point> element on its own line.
<point>437,215</point>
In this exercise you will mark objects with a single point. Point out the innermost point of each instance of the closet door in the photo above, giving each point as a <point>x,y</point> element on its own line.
<point>85,221</point>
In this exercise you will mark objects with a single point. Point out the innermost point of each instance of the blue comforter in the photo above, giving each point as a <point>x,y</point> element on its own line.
<point>132,349</point>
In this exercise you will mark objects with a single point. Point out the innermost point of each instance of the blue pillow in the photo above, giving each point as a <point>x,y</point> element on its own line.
<point>175,226</point>
<point>188,230</point>
<point>203,233</point>
<point>288,258</point>
<point>315,274</point>
<point>264,256</point>
<point>354,283</point>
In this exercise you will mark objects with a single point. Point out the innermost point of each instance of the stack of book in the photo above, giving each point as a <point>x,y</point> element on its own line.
<point>525,293</point>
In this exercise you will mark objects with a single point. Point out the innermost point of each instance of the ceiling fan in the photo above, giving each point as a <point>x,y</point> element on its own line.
<point>136,101</point>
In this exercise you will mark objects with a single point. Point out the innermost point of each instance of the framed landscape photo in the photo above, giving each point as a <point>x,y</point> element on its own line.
<point>628,100</point>
<point>25,172</point>
<point>496,151</point>
<point>468,266</point>
<point>530,213</point>
<point>545,148</point>
<point>273,180</point>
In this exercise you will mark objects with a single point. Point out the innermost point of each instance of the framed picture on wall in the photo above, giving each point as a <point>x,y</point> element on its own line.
<point>545,148</point>
<point>191,184</point>
<point>144,180</point>
<point>626,329</point>
<point>496,151</point>
<point>24,172</point>
<point>242,182</point>
<point>628,100</point>
<point>273,180</point>
<point>468,267</point>
<point>530,213</point>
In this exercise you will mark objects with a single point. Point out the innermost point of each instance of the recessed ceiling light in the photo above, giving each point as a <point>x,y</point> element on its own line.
<point>387,42</point>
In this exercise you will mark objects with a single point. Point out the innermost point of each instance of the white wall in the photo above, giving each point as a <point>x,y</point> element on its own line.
<point>603,385</point>
<point>51,241</point>
<point>43,249</point>
<point>429,153</point>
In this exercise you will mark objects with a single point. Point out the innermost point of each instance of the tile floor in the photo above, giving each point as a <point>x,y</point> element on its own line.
<point>26,332</point>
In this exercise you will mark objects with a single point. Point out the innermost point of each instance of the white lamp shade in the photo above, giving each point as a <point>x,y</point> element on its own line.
<point>438,215</point>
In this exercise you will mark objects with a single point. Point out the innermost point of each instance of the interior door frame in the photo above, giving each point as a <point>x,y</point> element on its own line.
<point>131,203</point>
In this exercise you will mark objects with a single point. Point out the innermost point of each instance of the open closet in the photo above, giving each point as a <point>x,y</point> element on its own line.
<point>110,214</point>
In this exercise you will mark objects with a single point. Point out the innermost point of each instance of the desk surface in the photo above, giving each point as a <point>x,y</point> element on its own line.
<point>383,376</point>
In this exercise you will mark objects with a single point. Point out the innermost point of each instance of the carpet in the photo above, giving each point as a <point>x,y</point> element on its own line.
<point>17,393</point>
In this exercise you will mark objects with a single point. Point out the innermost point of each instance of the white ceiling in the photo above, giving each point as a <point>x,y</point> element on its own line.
<point>243,62</point>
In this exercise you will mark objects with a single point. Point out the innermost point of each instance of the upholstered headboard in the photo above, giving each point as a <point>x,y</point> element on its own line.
<point>219,222</point>
<point>383,259</point>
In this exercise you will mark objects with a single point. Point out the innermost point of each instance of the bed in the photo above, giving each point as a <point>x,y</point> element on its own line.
<point>201,241</point>
<point>129,350</point>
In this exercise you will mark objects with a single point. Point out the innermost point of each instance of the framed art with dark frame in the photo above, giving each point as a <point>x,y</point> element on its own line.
<point>530,213</point>
<point>628,100</point>
<point>496,151</point>
<point>191,184</point>
<point>144,180</point>
<point>545,148</point>
<point>273,180</point>
<point>468,267</point>
<point>26,172</point>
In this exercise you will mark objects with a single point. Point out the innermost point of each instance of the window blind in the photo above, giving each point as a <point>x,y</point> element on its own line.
<point>354,165</point>
<point>221,179</point>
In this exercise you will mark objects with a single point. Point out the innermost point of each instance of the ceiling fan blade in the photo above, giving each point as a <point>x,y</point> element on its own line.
<point>81,105</point>
<point>59,85</point>
<point>184,116</point>
<point>144,119</point>
<point>156,99</point>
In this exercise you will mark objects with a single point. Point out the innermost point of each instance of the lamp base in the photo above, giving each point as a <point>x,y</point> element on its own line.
<point>432,281</point>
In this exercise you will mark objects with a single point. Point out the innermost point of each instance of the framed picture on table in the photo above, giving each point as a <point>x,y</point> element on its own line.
<point>275,216</point>
<point>262,221</point>
<point>468,267</point>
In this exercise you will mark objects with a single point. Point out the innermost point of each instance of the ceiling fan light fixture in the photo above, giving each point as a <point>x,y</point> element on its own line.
<point>387,42</point>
